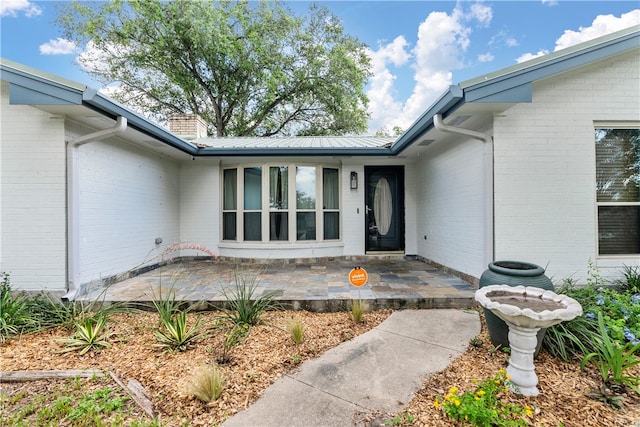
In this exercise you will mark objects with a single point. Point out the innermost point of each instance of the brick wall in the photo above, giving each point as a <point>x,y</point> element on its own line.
<point>32,197</point>
<point>128,198</point>
<point>188,126</point>
<point>448,189</point>
<point>545,167</point>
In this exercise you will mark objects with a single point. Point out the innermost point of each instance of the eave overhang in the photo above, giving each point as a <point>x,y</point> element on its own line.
<point>507,86</point>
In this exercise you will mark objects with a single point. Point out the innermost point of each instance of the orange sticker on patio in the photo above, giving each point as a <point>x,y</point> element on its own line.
<point>358,276</point>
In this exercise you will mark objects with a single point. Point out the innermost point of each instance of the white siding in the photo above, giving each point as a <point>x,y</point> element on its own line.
<point>128,197</point>
<point>545,167</point>
<point>353,215</point>
<point>448,185</point>
<point>32,197</point>
<point>200,198</point>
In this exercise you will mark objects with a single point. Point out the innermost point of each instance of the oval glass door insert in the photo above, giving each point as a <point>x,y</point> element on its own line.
<point>382,206</point>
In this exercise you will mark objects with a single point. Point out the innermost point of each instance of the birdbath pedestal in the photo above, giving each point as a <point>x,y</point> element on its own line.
<point>526,309</point>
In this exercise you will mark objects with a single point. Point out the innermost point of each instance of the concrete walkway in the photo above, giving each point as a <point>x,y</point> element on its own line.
<point>377,372</point>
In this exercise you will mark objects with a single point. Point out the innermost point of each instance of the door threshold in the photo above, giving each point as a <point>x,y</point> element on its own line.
<point>383,252</point>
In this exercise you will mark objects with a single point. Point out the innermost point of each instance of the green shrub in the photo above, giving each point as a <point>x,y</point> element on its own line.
<point>91,334</point>
<point>619,308</point>
<point>176,335</point>
<point>235,336</point>
<point>166,305</point>
<point>484,406</point>
<point>631,281</point>
<point>243,306</point>
<point>613,359</point>
<point>570,339</point>
<point>15,316</point>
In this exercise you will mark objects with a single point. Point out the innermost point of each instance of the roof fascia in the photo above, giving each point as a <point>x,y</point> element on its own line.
<point>449,101</point>
<point>30,89</point>
<point>508,84</point>
<point>108,107</point>
<point>515,84</point>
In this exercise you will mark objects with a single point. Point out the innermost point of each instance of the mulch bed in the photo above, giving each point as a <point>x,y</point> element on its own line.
<point>269,352</point>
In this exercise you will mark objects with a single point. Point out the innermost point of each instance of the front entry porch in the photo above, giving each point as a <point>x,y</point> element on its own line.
<point>394,281</point>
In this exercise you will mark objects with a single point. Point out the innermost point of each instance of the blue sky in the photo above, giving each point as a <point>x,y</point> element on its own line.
<point>418,48</point>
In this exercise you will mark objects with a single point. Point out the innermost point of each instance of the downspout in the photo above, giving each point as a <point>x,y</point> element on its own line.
<point>487,180</point>
<point>73,202</point>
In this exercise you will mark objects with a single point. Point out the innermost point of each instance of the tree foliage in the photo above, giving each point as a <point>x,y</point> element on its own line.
<point>247,68</point>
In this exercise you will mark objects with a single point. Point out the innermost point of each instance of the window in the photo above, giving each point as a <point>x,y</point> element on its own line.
<point>331,203</point>
<point>253,204</point>
<point>266,213</point>
<point>278,203</point>
<point>618,190</point>
<point>306,202</point>
<point>229,204</point>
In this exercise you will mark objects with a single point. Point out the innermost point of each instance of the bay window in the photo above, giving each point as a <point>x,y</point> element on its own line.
<point>618,190</point>
<point>266,214</point>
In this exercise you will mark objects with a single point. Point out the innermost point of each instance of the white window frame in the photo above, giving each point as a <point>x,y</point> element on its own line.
<point>291,210</point>
<point>598,204</point>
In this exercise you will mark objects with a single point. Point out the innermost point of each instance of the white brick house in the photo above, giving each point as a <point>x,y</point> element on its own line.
<point>517,164</point>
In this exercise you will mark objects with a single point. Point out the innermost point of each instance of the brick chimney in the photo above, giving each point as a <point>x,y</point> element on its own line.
<point>187,126</point>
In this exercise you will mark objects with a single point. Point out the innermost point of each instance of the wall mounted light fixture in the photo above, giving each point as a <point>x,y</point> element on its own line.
<point>354,181</point>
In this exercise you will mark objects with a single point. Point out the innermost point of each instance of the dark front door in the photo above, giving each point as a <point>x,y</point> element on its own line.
<point>384,198</point>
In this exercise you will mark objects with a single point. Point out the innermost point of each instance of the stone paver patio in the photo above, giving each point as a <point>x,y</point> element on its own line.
<point>319,285</point>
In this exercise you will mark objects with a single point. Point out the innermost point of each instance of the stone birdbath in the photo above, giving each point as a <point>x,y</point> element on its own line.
<point>526,309</point>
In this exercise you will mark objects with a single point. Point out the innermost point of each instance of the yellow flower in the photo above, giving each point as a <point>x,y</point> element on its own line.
<point>453,390</point>
<point>528,410</point>
<point>480,392</point>
<point>502,371</point>
<point>456,402</point>
<point>477,398</point>
<point>436,404</point>
<point>508,377</point>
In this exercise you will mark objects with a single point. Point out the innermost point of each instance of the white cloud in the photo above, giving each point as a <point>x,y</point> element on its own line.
<point>528,56</point>
<point>486,57</point>
<point>603,24</point>
<point>14,7</point>
<point>382,101</point>
<point>442,41</point>
<point>550,3</point>
<point>58,46</point>
<point>482,14</point>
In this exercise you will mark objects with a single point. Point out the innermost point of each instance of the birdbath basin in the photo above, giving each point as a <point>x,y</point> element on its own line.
<point>526,309</point>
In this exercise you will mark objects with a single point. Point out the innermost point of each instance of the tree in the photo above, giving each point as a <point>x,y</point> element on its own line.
<point>247,68</point>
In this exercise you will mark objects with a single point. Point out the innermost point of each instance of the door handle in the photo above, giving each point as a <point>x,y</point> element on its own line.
<point>367,209</point>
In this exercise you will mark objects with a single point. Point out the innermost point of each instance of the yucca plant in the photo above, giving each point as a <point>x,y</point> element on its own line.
<point>91,334</point>
<point>207,384</point>
<point>243,306</point>
<point>166,305</point>
<point>176,335</point>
